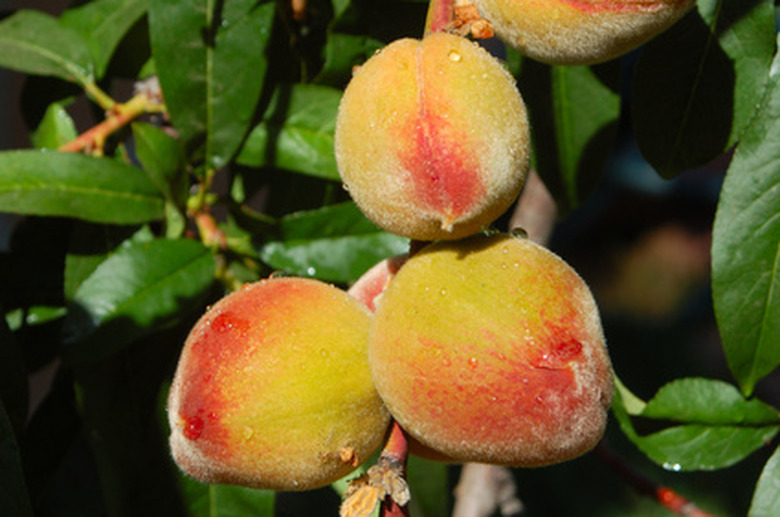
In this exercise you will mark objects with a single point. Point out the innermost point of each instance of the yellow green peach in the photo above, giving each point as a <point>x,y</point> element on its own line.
<point>273,390</point>
<point>567,32</point>
<point>491,350</point>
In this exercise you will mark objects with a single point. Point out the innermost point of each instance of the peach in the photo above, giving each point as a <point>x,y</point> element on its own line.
<point>491,350</point>
<point>273,390</point>
<point>569,32</point>
<point>432,138</point>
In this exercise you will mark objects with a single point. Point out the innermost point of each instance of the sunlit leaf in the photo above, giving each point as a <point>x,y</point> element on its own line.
<point>335,243</point>
<point>79,186</point>
<point>746,247</point>
<point>36,43</point>
<point>296,132</point>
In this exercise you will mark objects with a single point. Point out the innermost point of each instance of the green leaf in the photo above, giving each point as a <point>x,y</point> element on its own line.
<point>204,500</point>
<point>746,247</point>
<point>296,132</point>
<point>211,64</point>
<point>573,112</point>
<point>711,402</point>
<point>720,56</point>
<point>90,245</point>
<point>79,186</point>
<point>429,486</point>
<point>335,243</point>
<point>36,43</point>
<point>702,447</point>
<point>103,23</point>
<point>13,497</point>
<point>766,498</point>
<point>56,128</point>
<point>162,157</point>
<point>695,446</point>
<point>342,53</point>
<point>137,290</point>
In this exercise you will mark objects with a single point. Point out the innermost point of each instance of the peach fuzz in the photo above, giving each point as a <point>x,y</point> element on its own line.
<point>573,32</point>
<point>273,390</point>
<point>432,138</point>
<point>491,350</point>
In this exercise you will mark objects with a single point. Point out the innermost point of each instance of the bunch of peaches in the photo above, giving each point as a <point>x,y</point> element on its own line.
<point>481,346</point>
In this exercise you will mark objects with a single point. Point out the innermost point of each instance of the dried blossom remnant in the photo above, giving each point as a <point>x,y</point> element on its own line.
<point>469,23</point>
<point>366,492</point>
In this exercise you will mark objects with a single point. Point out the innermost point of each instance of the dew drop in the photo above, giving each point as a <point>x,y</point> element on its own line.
<point>311,271</point>
<point>519,232</point>
<point>443,292</point>
<point>676,467</point>
<point>503,266</point>
<point>454,56</point>
<point>473,362</point>
<point>248,433</point>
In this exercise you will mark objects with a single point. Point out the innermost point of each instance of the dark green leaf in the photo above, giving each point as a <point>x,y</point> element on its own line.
<point>766,499</point>
<point>162,157</point>
<point>574,112</point>
<point>335,243</point>
<point>211,64</point>
<point>695,87</point>
<point>694,446</point>
<point>13,496</point>
<point>56,128</point>
<point>703,447</point>
<point>73,185</point>
<point>36,43</point>
<point>118,402</point>
<point>226,501</point>
<point>103,23</point>
<point>296,132</point>
<point>141,288</point>
<point>429,486</point>
<point>343,52</point>
<point>90,245</point>
<point>711,402</point>
<point>746,247</point>
<point>13,378</point>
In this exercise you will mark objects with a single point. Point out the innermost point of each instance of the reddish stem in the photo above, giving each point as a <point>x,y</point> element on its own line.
<point>666,496</point>
<point>441,14</point>
<point>120,117</point>
<point>397,445</point>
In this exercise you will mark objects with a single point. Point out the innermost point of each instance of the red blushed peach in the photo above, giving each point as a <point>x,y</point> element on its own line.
<point>273,390</point>
<point>491,350</point>
<point>432,138</point>
<point>567,32</point>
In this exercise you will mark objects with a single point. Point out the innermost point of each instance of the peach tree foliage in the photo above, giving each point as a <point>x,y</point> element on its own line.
<point>122,246</point>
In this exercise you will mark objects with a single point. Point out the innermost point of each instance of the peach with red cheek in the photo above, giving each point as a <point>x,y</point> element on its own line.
<point>568,32</point>
<point>432,138</point>
<point>371,284</point>
<point>273,390</point>
<point>491,350</point>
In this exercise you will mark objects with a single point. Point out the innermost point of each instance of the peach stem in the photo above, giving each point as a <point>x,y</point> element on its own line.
<point>666,496</point>
<point>441,15</point>
<point>395,453</point>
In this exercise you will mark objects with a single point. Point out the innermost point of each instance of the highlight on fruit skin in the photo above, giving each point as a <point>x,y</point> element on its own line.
<point>432,138</point>
<point>491,350</point>
<point>273,390</point>
<point>577,32</point>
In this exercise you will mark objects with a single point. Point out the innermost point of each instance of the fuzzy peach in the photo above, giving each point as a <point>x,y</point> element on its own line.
<point>567,32</point>
<point>491,350</point>
<point>273,390</point>
<point>432,138</point>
